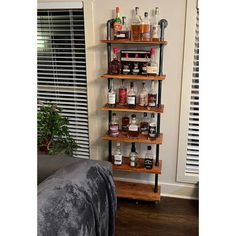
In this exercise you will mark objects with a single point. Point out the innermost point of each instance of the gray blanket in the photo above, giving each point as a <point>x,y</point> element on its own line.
<point>78,199</point>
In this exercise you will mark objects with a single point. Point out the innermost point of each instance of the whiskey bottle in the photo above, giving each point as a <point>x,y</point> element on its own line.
<point>117,26</point>
<point>122,94</point>
<point>135,69</point>
<point>145,28</point>
<point>135,25</point>
<point>152,96</point>
<point>148,160</point>
<point>133,156</point>
<point>143,96</point>
<point>152,65</point>
<point>155,25</point>
<point>144,65</point>
<point>144,124</point>
<point>125,125</point>
<point>124,33</point>
<point>111,96</point>
<point>115,66</point>
<point>131,96</point>
<point>126,65</point>
<point>133,127</point>
<point>152,129</point>
<point>117,155</point>
<point>114,126</point>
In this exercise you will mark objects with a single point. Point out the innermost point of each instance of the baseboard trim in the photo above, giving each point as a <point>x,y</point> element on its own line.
<point>176,190</point>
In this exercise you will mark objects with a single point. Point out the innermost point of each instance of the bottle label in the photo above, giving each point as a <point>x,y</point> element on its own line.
<point>122,96</point>
<point>154,31</point>
<point>117,159</point>
<point>132,159</point>
<point>131,100</point>
<point>111,98</point>
<point>152,100</point>
<point>114,130</point>
<point>152,131</point>
<point>133,128</point>
<point>126,71</point>
<point>152,69</point>
<point>142,100</point>
<point>117,27</point>
<point>148,163</point>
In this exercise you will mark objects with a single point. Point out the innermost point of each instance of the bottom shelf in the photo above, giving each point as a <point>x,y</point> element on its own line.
<point>137,191</point>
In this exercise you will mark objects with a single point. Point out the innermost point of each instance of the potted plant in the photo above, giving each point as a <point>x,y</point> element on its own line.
<point>53,133</point>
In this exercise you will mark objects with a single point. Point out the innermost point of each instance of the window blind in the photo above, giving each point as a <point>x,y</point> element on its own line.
<point>192,158</point>
<point>61,71</point>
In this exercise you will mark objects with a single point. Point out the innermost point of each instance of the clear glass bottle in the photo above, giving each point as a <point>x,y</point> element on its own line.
<point>145,28</point>
<point>122,94</point>
<point>133,127</point>
<point>152,96</point>
<point>125,125</point>
<point>115,67</point>
<point>114,126</point>
<point>152,129</point>
<point>131,96</point>
<point>152,65</point>
<point>154,26</point>
<point>111,96</point>
<point>117,26</point>
<point>133,156</point>
<point>143,96</point>
<point>148,160</point>
<point>144,124</point>
<point>144,65</point>
<point>126,65</point>
<point>135,25</point>
<point>124,33</point>
<point>135,69</point>
<point>118,155</point>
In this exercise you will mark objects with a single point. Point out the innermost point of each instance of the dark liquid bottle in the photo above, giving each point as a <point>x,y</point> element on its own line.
<point>152,96</point>
<point>114,66</point>
<point>131,97</point>
<point>144,124</point>
<point>125,125</point>
<point>133,128</point>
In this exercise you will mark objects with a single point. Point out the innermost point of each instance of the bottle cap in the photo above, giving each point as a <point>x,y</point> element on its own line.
<point>149,148</point>
<point>146,14</point>
<point>126,55</point>
<point>133,116</point>
<point>152,51</point>
<point>133,147</point>
<point>145,114</point>
<point>117,9</point>
<point>115,50</point>
<point>114,114</point>
<point>152,115</point>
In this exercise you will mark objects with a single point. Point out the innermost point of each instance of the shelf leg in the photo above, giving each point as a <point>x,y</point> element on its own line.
<point>156,184</point>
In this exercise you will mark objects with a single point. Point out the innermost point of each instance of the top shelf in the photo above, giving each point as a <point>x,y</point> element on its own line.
<point>134,42</point>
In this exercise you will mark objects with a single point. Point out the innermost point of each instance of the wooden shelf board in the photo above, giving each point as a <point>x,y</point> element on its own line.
<point>139,168</point>
<point>136,109</point>
<point>137,191</point>
<point>140,139</point>
<point>133,77</point>
<point>122,41</point>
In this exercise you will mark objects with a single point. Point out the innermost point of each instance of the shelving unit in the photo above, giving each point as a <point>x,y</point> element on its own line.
<point>132,190</point>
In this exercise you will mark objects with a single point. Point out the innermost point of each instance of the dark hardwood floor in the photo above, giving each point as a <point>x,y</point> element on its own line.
<point>170,217</point>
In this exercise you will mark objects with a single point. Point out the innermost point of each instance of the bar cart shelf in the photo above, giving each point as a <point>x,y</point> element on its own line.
<point>131,190</point>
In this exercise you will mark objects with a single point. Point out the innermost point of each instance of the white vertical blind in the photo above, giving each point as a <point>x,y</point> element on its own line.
<point>62,69</point>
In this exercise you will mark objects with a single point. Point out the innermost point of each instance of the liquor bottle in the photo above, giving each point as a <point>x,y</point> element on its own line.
<point>144,124</point>
<point>111,96</point>
<point>133,156</point>
<point>152,129</point>
<point>144,65</point>
<point>117,155</point>
<point>135,69</point>
<point>124,33</point>
<point>143,96</point>
<point>114,126</point>
<point>135,25</point>
<point>125,125</point>
<point>122,94</point>
<point>117,26</point>
<point>115,66</point>
<point>148,160</point>
<point>131,96</point>
<point>126,65</point>
<point>145,28</point>
<point>133,127</point>
<point>154,27</point>
<point>152,65</point>
<point>152,96</point>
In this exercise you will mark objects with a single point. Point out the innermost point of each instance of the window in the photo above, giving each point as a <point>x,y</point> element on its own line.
<point>62,67</point>
<point>188,152</point>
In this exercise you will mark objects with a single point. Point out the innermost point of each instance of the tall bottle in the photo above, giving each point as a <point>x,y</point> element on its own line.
<point>131,96</point>
<point>154,27</point>
<point>145,28</point>
<point>152,96</point>
<point>148,160</point>
<point>135,69</point>
<point>152,65</point>
<point>125,125</point>
<point>143,96</point>
<point>118,155</point>
<point>126,65</point>
<point>111,96</point>
<point>124,33</point>
<point>117,26</point>
<point>115,67</point>
<point>144,124</point>
<point>152,129</point>
<point>114,126</point>
<point>133,127</point>
<point>122,94</point>
<point>133,156</point>
<point>135,25</point>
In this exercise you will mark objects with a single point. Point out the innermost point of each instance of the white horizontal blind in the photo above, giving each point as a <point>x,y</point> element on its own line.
<point>62,69</point>
<point>192,158</point>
